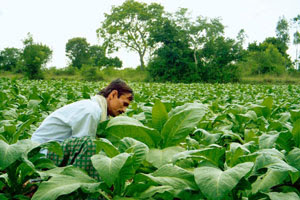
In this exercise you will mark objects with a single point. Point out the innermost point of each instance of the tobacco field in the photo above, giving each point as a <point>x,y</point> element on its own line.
<point>176,141</point>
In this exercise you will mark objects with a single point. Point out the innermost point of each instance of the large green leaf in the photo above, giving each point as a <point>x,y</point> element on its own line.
<point>285,140</point>
<point>267,141</point>
<point>182,123</point>
<point>139,149</point>
<point>206,137</point>
<point>285,196</point>
<point>174,176</point>
<point>264,182</point>
<point>295,115</point>
<point>293,158</point>
<point>122,126</point>
<point>152,190</point>
<point>159,115</point>
<point>11,153</point>
<point>211,154</point>
<point>109,168</point>
<point>69,180</point>
<point>160,157</point>
<point>53,146</point>
<point>272,162</point>
<point>106,146</point>
<point>296,132</point>
<point>216,184</point>
<point>235,152</point>
<point>268,102</point>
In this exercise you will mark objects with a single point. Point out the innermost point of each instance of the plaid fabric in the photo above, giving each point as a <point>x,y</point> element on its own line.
<point>77,152</point>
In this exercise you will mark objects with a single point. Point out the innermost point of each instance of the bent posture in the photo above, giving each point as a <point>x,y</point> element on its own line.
<point>75,125</point>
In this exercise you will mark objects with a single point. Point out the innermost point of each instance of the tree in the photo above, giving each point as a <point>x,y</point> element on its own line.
<point>129,26</point>
<point>98,58</point>
<point>199,32</point>
<point>193,51</point>
<point>218,60</point>
<point>296,40</point>
<point>282,30</point>
<point>9,59</point>
<point>173,61</point>
<point>277,43</point>
<point>96,55</point>
<point>34,55</point>
<point>77,50</point>
<point>267,60</point>
<point>241,37</point>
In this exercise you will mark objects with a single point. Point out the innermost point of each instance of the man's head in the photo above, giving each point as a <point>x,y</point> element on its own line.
<point>118,96</point>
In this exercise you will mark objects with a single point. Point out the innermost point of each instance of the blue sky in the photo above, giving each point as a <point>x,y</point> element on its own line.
<point>54,22</point>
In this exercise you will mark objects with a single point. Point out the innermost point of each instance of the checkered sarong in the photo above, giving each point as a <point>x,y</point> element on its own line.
<point>77,152</point>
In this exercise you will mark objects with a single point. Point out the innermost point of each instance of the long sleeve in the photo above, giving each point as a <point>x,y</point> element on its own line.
<point>74,120</point>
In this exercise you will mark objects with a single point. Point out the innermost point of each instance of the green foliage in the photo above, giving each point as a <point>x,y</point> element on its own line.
<point>215,183</point>
<point>34,57</point>
<point>174,60</point>
<point>90,73</point>
<point>77,51</point>
<point>128,25</point>
<point>189,56</point>
<point>109,168</point>
<point>19,164</point>
<point>9,59</point>
<point>199,141</point>
<point>266,61</point>
<point>218,57</point>
<point>282,30</point>
<point>122,126</point>
<point>65,182</point>
<point>97,56</point>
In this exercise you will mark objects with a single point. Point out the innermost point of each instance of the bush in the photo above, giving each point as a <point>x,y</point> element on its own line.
<point>90,73</point>
<point>35,56</point>
<point>264,61</point>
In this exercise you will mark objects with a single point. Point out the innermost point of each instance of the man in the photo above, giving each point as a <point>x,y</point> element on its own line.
<point>75,125</point>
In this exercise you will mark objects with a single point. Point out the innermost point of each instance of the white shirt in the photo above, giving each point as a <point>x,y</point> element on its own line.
<point>73,120</point>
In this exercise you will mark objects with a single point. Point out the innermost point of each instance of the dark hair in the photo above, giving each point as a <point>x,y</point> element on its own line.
<point>118,85</point>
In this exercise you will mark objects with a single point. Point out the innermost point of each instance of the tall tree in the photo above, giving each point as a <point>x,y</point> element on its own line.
<point>199,31</point>
<point>218,58</point>
<point>96,55</point>
<point>282,30</point>
<point>77,50</point>
<point>129,26</point>
<point>35,56</point>
<point>296,40</point>
<point>241,37</point>
<point>173,61</point>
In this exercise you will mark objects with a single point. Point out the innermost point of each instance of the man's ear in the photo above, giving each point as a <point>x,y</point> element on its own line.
<point>113,94</point>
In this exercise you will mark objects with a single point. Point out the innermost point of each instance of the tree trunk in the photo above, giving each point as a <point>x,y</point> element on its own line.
<point>142,61</point>
<point>196,62</point>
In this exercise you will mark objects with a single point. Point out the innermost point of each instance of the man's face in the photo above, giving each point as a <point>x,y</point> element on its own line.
<point>115,105</point>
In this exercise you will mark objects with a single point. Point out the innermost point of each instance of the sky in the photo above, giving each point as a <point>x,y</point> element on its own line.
<point>54,22</point>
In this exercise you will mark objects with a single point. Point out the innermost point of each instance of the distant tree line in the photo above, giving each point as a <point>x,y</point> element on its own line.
<point>28,60</point>
<point>32,58</point>
<point>180,49</point>
<point>81,53</point>
<point>172,46</point>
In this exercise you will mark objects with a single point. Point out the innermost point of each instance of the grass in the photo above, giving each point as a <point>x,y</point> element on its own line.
<point>137,75</point>
<point>94,74</point>
<point>266,78</point>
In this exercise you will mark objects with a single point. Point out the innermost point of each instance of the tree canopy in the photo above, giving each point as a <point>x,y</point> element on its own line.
<point>77,50</point>
<point>35,56</point>
<point>129,26</point>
